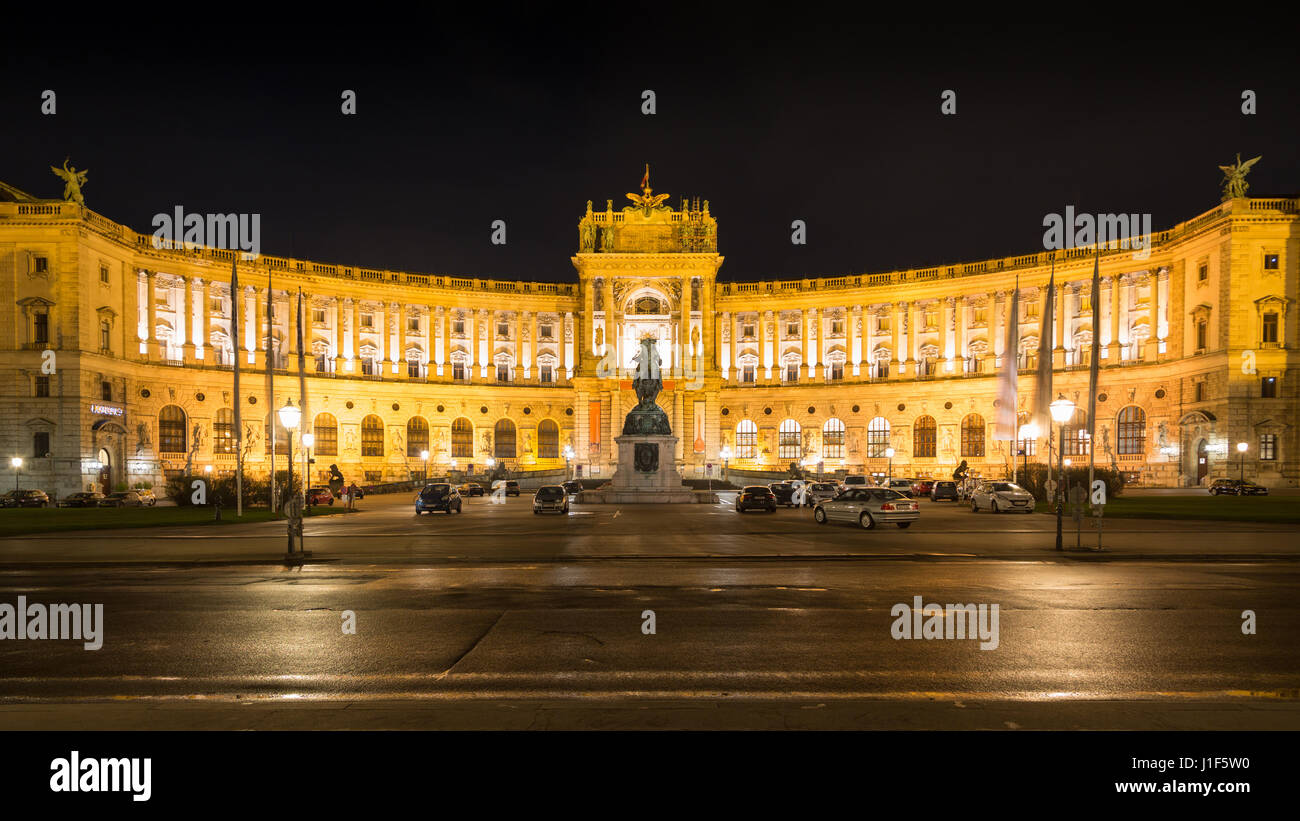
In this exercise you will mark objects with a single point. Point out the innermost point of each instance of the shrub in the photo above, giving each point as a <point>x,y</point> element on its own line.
<point>1035,481</point>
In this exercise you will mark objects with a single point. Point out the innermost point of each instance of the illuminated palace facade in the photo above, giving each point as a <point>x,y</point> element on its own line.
<point>1198,342</point>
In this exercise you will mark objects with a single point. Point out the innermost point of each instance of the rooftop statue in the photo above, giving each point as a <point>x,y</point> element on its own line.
<point>647,200</point>
<point>73,180</point>
<point>1234,178</point>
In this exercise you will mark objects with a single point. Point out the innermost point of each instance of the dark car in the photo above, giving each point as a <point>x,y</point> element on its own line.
<point>1223,486</point>
<point>438,496</point>
<point>319,496</point>
<point>784,493</point>
<point>943,489</point>
<point>512,488</point>
<point>25,498</point>
<point>123,498</point>
<point>756,496</point>
<point>86,498</point>
<point>922,487</point>
<point>1236,487</point>
<point>572,487</point>
<point>551,497</point>
<point>1249,488</point>
<point>471,489</point>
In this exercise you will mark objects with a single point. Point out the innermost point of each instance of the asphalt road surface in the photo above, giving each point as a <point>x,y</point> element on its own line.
<point>497,618</point>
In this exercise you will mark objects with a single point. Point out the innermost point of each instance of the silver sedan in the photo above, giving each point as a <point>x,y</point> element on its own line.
<point>869,507</point>
<point>1001,497</point>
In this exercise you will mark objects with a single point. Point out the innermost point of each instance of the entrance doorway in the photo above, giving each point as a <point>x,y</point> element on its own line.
<point>105,472</point>
<point>1202,461</point>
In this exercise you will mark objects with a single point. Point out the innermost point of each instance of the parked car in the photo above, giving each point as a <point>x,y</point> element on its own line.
<point>25,498</point>
<point>943,489</point>
<point>819,492</point>
<point>784,493</point>
<point>572,487</point>
<point>903,486</point>
<point>319,496</point>
<point>922,487</point>
<point>86,498</point>
<point>551,497</point>
<point>512,487</point>
<point>471,489</point>
<point>438,496</point>
<point>1001,497</point>
<point>869,507</point>
<point>122,498</point>
<point>853,481</point>
<point>146,497</point>
<point>758,496</point>
<point>1236,487</point>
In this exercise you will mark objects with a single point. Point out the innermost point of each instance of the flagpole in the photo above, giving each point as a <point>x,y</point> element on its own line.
<point>302,391</point>
<point>270,385</point>
<point>1094,373</point>
<point>235,298</point>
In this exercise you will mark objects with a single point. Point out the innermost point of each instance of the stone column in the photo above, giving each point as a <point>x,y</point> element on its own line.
<point>910,320</point>
<point>438,337</point>
<point>522,357</point>
<point>895,328</point>
<point>207,291</point>
<point>958,307</point>
<point>819,346</point>
<point>484,340</point>
<point>131,315</point>
<point>1112,347</point>
<point>996,335</point>
<point>155,347</point>
<point>1058,342</point>
<point>1153,320</point>
<point>853,329</point>
<point>399,356</point>
<point>335,316</point>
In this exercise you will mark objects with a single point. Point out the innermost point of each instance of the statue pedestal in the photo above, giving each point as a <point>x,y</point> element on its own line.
<point>646,474</point>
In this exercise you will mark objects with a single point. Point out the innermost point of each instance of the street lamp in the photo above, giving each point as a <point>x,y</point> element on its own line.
<point>726,459</point>
<point>568,455</point>
<point>17,462</point>
<point>424,454</point>
<point>1241,448</point>
<point>1062,409</point>
<point>289,418</point>
<point>889,452</point>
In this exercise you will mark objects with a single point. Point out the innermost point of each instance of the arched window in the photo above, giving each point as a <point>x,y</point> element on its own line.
<point>1028,445</point>
<point>171,429</point>
<point>1075,435</point>
<point>417,436</point>
<point>833,439</point>
<point>372,436</point>
<point>746,439</point>
<point>924,437</point>
<point>877,437</point>
<point>972,435</point>
<point>223,431</point>
<point>1131,431</point>
<point>462,439</point>
<point>504,436</point>
<point>326,431</point>
<point>548,440</point>
<point>790,445</point>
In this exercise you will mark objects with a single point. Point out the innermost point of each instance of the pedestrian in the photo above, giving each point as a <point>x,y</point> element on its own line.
<point>352,496</point>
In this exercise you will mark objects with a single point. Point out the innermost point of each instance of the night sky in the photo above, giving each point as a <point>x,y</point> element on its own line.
<point>525,115</point>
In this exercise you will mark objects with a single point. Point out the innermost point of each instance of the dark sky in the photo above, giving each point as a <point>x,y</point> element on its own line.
<point>524,115</point>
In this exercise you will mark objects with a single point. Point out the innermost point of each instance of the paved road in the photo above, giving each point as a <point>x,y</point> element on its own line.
<point>499,618</point>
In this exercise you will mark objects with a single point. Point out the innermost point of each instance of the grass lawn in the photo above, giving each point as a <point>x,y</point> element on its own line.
<point>14,522</point>
<point>1265,509</point>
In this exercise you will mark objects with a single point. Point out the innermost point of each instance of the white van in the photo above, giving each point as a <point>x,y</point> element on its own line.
<point>853,481</point>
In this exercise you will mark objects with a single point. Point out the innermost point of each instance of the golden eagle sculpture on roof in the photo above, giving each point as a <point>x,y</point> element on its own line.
<point>647,200</point>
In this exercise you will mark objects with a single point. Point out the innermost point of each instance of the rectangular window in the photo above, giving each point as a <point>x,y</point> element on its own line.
<point>40,265</point>
<point>217,305</point>
<point>103,274</point>
<point>368,366</point>
<point>1269,331</point>
<point>1268,446</point>
<point>1031,308</point>
<point>1201,329</point>
<point>503,373</point>
<point>837,371</point>
<point>931,319</point>
<point>1268,387</point>
<point>414,369</point>
<point>413,324</point>
<point>367,320</point>
<point>458,327</point>
<point>106,391</point>
<point>318,316</point>
<point>41,328</point>
<point>503,329</point>
<point>1203,272</point>
<point>792,373</point>
<point>105,336</point>
<point>1270,262</point>
<point>837,326</point>
<point>747,330</point>
<point>42,386</point>
<point>458,371</point>
<point>981,315</point>
<point>545,374</point>
<point>322,363</point>
<point>40,444</point>
<point>748,374</point>
<point>792,329</point>
<point>544,331</point>
<point>1200,391</point>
